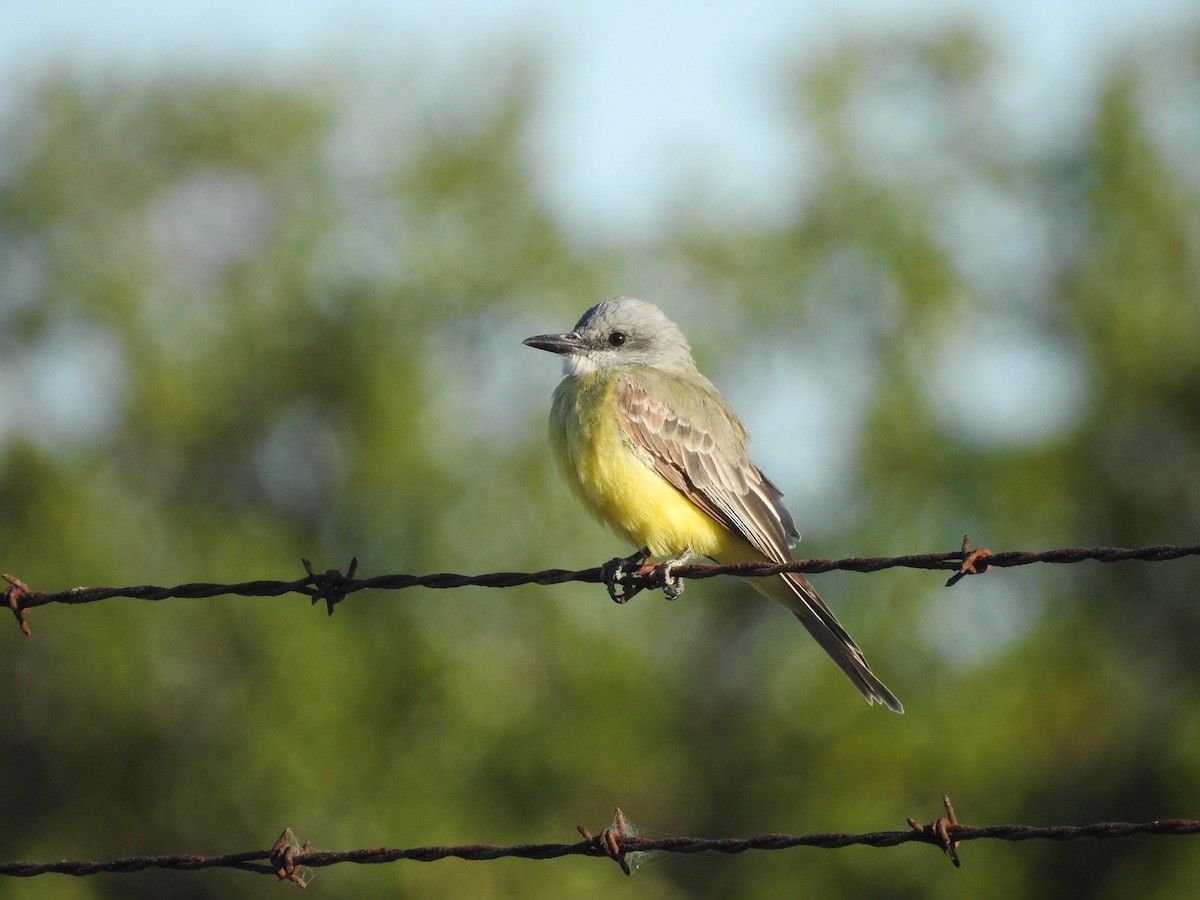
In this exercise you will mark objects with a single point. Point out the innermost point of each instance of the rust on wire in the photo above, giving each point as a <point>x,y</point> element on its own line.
<point>973,562</point>
<point>17,592</point>
<point>283,858</point>
<point>942,830</point>
<point>611,840</point>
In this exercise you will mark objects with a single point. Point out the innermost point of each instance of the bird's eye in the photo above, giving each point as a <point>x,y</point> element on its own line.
<point>617,338</point>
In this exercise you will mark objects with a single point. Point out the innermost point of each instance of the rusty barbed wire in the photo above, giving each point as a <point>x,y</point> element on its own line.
<point>288,860</point>
<point>332,586</point>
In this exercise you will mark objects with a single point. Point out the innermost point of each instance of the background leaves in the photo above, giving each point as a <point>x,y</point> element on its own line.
<point>242,323</point>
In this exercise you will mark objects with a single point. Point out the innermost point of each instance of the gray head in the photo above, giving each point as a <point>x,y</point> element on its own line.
<point>620,331</point>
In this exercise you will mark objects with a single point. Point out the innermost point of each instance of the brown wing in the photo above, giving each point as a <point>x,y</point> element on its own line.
<point>686,430</point>
<point>691,436</point>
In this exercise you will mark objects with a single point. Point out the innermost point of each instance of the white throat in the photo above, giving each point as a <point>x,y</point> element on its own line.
<point>575,364</point>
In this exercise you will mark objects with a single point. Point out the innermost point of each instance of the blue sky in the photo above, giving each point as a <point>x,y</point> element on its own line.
<point>633,84</point>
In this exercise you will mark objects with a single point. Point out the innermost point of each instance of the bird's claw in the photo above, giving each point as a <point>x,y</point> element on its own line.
<point>613,572</point>
<point>656,575</point>
<point>672,586</point>
<point>664,575</point>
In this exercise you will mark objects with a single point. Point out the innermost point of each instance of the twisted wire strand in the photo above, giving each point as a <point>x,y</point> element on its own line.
<point>288,859</point>
<point>334,585</point>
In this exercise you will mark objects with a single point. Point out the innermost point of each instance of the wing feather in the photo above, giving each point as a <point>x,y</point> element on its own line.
<point>687,431</point>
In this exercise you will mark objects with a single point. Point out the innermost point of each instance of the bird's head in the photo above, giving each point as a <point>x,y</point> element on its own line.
<point>620,331</point>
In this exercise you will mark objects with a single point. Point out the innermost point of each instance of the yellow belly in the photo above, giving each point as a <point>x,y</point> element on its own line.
<point>619,487</point>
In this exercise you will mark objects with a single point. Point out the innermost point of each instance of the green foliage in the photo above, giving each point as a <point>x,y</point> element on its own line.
<point>243,324</point>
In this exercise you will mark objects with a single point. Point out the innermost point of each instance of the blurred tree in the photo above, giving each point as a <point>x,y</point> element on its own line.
<point>246,323</point>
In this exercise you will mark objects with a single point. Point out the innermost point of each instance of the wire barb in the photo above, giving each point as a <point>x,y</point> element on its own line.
<point>17,592</point>
<point>283,858</point>
<point>941,829</point>
<point>970,563</point>
<point>610,840</point>
<point>331,585</point>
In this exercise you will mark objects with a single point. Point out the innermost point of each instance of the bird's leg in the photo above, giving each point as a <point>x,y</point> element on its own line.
<point>672,587</point>
<point>614,570</point>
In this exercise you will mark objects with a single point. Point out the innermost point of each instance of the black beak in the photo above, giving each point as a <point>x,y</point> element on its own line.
<point>555,343</point>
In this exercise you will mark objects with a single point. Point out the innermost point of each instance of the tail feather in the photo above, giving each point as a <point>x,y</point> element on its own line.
<point>794,592</point>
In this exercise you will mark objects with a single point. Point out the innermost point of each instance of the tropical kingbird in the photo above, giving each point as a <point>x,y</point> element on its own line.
<point>654,451</point>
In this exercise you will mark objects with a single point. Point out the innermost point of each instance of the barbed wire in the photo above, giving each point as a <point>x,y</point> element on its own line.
<point>288,860</point>
<point>623,581</point>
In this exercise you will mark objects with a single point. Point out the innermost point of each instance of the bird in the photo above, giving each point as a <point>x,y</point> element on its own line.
<point>654,451</point>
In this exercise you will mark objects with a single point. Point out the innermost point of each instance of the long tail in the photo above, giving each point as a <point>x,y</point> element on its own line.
<point>794,592</point>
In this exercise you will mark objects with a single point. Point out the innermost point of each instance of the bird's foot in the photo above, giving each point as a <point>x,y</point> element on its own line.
<point>672,586</point>
<point>614,571</point>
